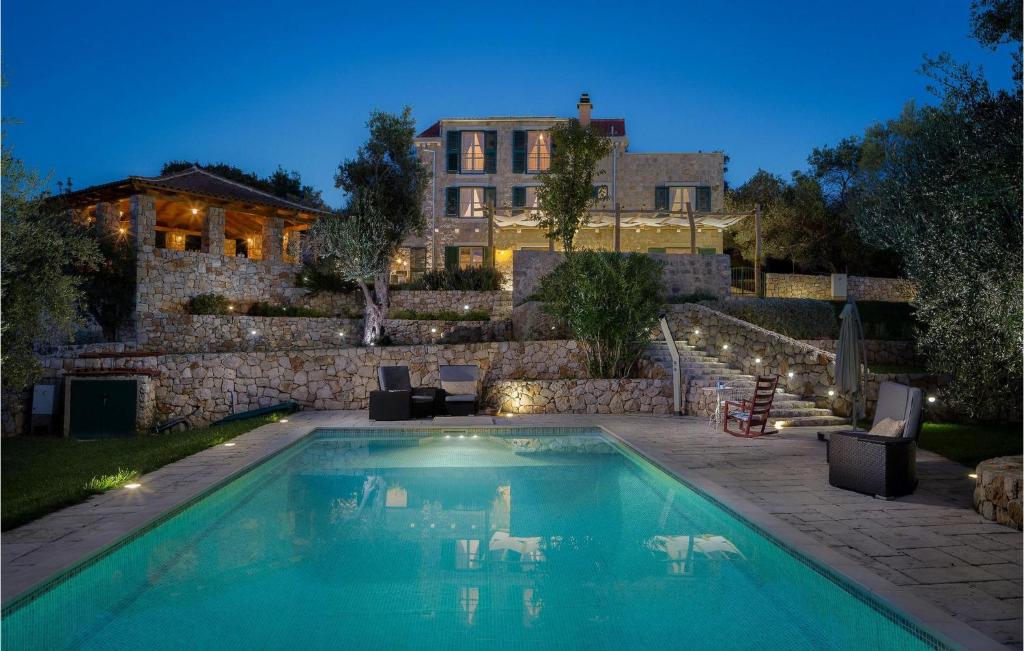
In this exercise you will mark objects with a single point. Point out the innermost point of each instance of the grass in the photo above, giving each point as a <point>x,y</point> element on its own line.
<point>969,444</point>
<point>43,474</point>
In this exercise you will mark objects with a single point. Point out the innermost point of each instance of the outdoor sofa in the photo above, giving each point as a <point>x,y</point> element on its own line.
<point>461,386</point>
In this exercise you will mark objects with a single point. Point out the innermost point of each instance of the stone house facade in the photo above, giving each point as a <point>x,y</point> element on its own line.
<point>481,163</point>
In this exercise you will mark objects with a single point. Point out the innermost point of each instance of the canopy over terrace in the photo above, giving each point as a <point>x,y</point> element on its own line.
<point>197,210</point>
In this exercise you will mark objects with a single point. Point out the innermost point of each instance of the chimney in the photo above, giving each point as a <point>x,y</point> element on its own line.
<point>584,106</point>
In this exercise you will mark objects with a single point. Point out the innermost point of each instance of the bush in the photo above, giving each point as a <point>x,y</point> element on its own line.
<point>443,315</point>
<point>882,320</point>
<point>799,318</point>
<point>208,304</point>
<point>610,302</point>
<point>261,308</point>
<point>318,277</point>
<point>472,279</point>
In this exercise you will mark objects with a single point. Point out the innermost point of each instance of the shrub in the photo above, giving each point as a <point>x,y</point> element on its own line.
<point>318,277</point>
<point>882,320</point>
<point>610,302</point>
<point>695,297</point>
<point>799,318</point>
<point>261,308</point>
<point>443,315</point>
<point>208,304</point>
<point>472,279</point>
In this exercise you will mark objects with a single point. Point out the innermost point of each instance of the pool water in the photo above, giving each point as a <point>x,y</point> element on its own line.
<point>499,539</point>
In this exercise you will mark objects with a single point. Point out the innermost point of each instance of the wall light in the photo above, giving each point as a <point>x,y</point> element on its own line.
<point>341,334</point>
<point>973,475</point>
<point>725,346</point>
<point>465,307</point>
<point>831,392</point>
<point>252,332</point>
<point>133,485</point>
<point>931,398</point>
<point>231,308</point>
<point>757,360</point>
<point>229,445</point>
<point>790,374</point>
<point>696,331</point>
<point>283,420</point>
<point>433,330</point>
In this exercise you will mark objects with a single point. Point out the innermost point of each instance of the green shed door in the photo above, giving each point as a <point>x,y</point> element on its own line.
<point>102,408</point>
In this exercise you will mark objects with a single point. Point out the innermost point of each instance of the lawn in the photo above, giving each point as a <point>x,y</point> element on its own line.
<point>43,474</point>
<point>969,444</point>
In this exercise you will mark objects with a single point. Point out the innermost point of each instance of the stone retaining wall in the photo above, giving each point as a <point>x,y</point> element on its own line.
<point>861,288</point>
<point>413,332</point>
<point>682,274</point>
<point>879,351</point>
<point>997,490</point>
<point>741,345</point>
<point>206,387</point>
<point>649,396</point>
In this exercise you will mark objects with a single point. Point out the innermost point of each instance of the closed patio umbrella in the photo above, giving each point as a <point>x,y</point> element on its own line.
<point>850,356</point>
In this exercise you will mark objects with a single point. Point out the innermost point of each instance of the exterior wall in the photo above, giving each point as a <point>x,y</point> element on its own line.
<point>879,351</point>
<point>409,332</point>
<point>206,387</point>
<point>189,333</point>
<point>581,396</point>
<point>683,274</point>
<point>861,288</point>
<point>630,177</point>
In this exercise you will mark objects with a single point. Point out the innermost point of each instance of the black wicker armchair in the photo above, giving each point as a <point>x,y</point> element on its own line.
<point>398,400</point>
<point>882,466</point>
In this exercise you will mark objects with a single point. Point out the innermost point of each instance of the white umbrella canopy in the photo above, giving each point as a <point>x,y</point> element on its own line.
<point>851,363</point>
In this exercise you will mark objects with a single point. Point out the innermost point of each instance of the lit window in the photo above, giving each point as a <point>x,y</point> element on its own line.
<point>472,151</point>
<point>471,202</point>
<point>471,256</point>
<point>538,151</point>
<point>679,197</point>
<point>531,197</point>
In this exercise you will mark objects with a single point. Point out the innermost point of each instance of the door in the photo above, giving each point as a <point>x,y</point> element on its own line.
<point>102,408</point>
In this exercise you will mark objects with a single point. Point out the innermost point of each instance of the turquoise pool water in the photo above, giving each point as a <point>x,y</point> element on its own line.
<point>497,539</point>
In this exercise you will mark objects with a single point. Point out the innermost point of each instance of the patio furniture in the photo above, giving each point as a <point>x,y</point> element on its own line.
<point>883,466</point>
<point>398,400</point>
<point>460,384</point>
<point>753,413</point>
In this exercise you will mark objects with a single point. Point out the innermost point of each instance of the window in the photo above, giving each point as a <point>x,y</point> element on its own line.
<point>469,202</point>
<point>471,256</point>
<point>538,151</point>
<point>193,243</point>
<point>524,197</point>
<point>676,197</point>
<point>472,151</point>
<point>417,262</point>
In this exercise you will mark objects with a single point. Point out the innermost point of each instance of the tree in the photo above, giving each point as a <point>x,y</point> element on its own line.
<point>286,185</point>
<point>41,248</point>
<point>386,183</point>
<point>610,302</point>
<point>999,22</point>
<point>567,188</point>
<point>948,196</point>
<point>110,287</point>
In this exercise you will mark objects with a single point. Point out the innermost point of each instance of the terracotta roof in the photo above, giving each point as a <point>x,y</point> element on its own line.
<point>193,181</point>
<point>606,126</point>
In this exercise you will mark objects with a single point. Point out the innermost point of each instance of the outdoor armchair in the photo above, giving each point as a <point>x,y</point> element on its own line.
<point>461,386</point>
<point>752,414</point>
<point>398,400</point>
<point>883,466</point>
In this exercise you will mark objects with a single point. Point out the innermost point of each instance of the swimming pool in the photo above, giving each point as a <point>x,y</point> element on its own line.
<point>497,538</point>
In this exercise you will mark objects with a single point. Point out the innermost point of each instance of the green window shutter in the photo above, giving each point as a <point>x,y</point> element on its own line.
<point>454,151</point>
<point>519,197</point>
<point>661,198</point>
<point>490,152</point>
<point>519,152</point>
<point>703,199</point>
<point>451,202</point>
<point>706,251</point>
<point>655,249</point>
<point>451,257</point>
<point>491,197</point>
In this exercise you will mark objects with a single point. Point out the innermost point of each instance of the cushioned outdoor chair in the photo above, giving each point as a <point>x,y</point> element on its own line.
<point>883,461</point>
<point>398,400</point>
<point>749,415</point>
<point>461,386</point>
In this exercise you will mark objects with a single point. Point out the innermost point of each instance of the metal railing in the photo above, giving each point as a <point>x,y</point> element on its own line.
<point>677,390</point>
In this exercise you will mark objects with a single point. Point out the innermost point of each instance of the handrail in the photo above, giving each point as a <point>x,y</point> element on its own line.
<point>670,341</point>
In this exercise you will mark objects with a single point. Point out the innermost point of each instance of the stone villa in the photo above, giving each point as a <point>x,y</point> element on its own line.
<point>481,163</point>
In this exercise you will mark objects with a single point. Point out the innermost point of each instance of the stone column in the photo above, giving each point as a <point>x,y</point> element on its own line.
<point>107,219</point>
<point>213,231</point>
<point>143,226</point>
<point>273,234</point>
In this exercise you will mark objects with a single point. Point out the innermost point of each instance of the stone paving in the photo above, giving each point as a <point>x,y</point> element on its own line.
<point>929,553</point>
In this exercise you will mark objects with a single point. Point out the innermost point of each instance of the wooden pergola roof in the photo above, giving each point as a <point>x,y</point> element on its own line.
<point>195,182</point>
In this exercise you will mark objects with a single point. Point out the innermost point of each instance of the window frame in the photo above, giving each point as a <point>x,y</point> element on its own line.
<point>530,155</point>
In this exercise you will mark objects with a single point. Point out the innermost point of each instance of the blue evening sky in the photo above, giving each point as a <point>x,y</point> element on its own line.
<point>112,88</point>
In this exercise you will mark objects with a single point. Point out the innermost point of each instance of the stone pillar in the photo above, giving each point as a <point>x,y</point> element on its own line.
<point>107,219</point>
<point>213,231</point>
<point>273,235</point>
<point>143,212</point>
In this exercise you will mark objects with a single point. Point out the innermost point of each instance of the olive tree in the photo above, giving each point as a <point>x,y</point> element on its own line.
<point>385,183</point>
<point>566,193</point>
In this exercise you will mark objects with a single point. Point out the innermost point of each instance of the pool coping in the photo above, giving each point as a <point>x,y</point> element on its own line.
<point>935,622</point>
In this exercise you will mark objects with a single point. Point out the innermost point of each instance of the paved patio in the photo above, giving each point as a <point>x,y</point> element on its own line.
<point>929,554</point>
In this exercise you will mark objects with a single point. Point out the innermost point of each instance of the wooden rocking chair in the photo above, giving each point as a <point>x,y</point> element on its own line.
<point>752,413</point>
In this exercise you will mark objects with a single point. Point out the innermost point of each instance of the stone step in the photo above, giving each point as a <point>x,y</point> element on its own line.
<point>809,421</point>
<point>782,412</point>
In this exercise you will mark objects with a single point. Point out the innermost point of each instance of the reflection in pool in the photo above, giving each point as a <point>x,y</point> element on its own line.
<point>496,539</point>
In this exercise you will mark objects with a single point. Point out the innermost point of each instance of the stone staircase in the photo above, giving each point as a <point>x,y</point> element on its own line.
<point>700,370</point>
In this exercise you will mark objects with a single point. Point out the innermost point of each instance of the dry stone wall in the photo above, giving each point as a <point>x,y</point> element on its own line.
<point>997,490</point>
<point>644,396</point>
<point>879,351</point>
<point>861,288</point>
